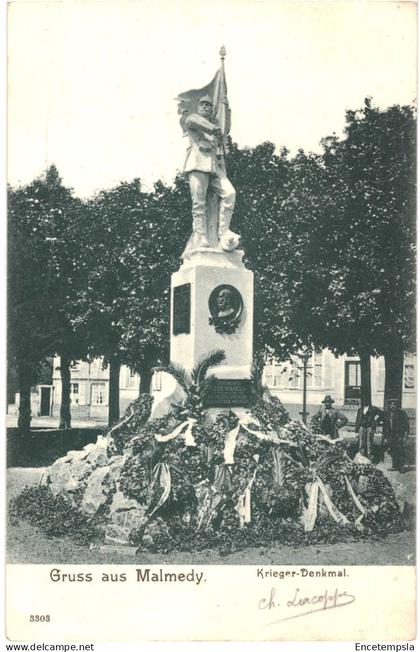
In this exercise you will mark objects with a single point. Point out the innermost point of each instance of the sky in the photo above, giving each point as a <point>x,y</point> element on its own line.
<point>92,84</point>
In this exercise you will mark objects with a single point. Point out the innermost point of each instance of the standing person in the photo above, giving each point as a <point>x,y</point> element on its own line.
<point>329,420</point>
<point>396,427</point>
<point>368,417</point>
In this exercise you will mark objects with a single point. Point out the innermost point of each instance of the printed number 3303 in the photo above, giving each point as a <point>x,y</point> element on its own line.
<point>39,619</point>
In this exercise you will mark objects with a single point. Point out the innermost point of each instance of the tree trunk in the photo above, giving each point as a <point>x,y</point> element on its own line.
<point>24,378</point>
<point>65,411</point>
<point>365,378</point>
<point>114,391</point>
<point>146,374</point>
<point>394,367</point>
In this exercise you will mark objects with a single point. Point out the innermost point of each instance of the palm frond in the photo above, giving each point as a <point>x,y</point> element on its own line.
<point>205,385</point>
<point>213,359</point>
<point>257,370</point>
<point>179,373</point>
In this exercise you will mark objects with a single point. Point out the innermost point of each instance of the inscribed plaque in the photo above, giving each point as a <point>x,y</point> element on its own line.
<point>182,309</point>
<point>226,392</point>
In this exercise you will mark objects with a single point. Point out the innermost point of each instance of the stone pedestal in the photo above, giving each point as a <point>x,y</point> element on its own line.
<point>192,336</point>
<point>204,271</point>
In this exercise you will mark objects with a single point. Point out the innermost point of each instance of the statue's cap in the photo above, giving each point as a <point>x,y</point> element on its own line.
<point>205,98</point>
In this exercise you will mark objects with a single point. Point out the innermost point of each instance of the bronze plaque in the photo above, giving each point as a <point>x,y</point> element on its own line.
<point>227,392</point>
<point>226,306</point>
<point>182,309</point>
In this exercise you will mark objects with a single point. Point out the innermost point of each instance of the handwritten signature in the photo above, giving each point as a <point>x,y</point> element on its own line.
<point>319,602</point>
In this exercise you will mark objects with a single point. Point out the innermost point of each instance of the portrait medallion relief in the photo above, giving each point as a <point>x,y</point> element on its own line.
<point>226,307</point>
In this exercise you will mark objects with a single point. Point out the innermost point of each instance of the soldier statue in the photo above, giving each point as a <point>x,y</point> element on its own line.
<point>205,119</point>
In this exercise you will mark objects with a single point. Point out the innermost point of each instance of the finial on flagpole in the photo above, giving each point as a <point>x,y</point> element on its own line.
<point>222,52</point>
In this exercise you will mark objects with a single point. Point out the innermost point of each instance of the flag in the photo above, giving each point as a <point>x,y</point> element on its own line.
<point>217,91</point>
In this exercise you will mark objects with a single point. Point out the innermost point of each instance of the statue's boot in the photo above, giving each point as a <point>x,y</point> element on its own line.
<point>202,240</point>
<point>198,228</point>
<point>227,238</point>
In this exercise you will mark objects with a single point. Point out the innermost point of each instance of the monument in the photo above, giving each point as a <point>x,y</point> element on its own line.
<point>212,292</point>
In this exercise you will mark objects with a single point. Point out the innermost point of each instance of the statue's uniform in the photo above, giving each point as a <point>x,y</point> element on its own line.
<point>204,168</point>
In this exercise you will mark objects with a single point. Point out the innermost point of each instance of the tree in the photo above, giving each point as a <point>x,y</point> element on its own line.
<point>27,278</point>
<point>41,282</point>
<point>373,288</point>
<point>105,233</point>
<point>64,279</point>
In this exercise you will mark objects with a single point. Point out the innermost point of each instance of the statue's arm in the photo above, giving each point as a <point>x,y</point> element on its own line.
<point>195,121</point>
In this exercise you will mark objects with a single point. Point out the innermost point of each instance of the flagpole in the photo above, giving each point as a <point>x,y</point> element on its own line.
<point>222,54</point>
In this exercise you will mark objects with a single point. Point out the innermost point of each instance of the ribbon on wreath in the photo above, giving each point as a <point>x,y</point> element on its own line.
<point>356,501</point>
<point>231,437</point>
<point>311,512</point>
<point>185,429</point>
<point>161,480</point>
<point>209,499</point>
<point>243,506</point>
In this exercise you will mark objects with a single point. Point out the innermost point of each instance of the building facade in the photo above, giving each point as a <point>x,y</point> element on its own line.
<point>89,391</point>
<point>326,374</point>
<point>337,376</point>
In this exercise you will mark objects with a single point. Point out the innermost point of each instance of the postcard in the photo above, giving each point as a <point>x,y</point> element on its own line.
<point>211,396</point>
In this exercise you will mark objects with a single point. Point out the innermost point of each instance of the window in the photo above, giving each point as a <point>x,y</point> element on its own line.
<point>408,376</point>
<point>380,375</point>
<point>98,393</point>
<point>74,393</point>
<point>286,375</point>
<point>351,382</point>
<point>157,381</point>
<point>316,369</point>
<point>354,373</point>
<point>279,375</point>
<point>268,373</point>
<point>276,374</point>
<point>132,379</point>
<point>295,378</point>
